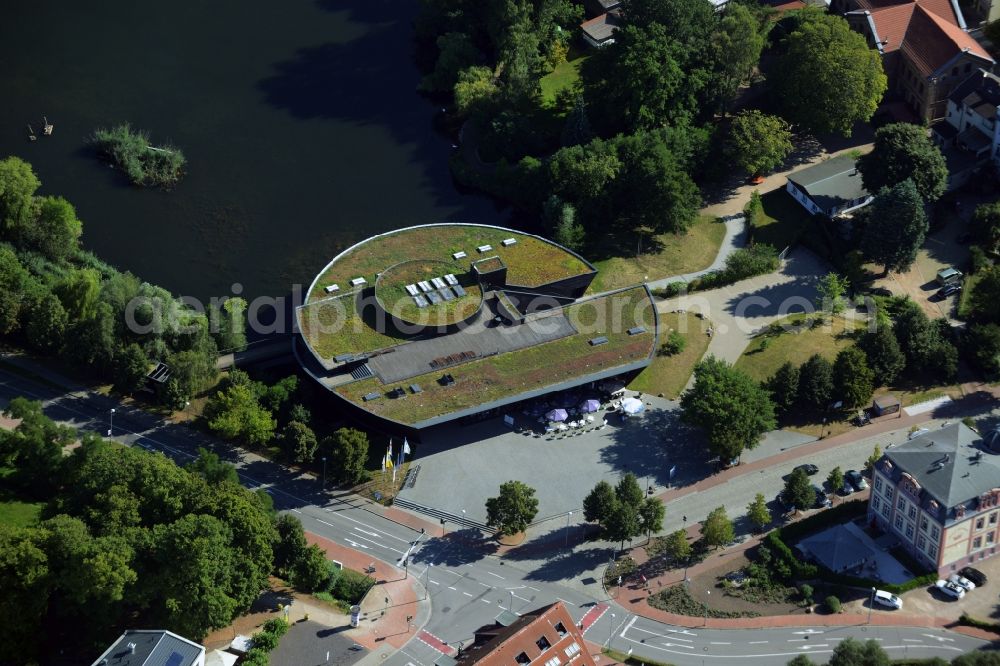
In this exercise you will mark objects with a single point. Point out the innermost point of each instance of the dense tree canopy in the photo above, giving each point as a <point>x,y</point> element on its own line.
<point>513,509</point>
<point>759,142</point>
<point>885,357</point>
<point>816,382</point>
<point>853,380</point>
<point>828,78</point>
<point>733,409</point>
<point>904,151</point>
<point>897,227</point>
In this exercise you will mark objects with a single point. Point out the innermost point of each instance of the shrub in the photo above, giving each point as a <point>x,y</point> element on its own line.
<point>350,586</point>
<point>131,152</point>
<point>675,344</point>
<point>978,259</point>
<point>255,657</point>
<point>832,604</point>
<point>748,262</point>
<point>806,591</point>
<point>670,290</point>
<point>677,599</point>
<point>986,625</point>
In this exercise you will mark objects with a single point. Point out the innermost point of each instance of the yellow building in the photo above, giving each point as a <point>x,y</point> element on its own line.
<point>940,494</point>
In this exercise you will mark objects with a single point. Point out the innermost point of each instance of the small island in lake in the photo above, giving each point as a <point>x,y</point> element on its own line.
<point>144,164</point>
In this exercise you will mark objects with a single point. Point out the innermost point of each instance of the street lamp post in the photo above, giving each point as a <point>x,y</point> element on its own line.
<point>568,515</point>
<point>709,593</point>
<point>510,606</point>
<point>427,579</point>
<point>611,630</point>
<point>111,422</point>
<point>871,605</point>
<point>324,472</point>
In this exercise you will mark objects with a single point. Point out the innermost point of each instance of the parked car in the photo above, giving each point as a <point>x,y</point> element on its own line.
<point>822,500</point>
<point>917,433</point>
<point>950,589</point>
<point>808,468</point>
<point>962,582</point>
<point>948,290</point>
<point>975,575</point>
<point>887,599</point>
<point>786,506</point>
<point>854,477</point>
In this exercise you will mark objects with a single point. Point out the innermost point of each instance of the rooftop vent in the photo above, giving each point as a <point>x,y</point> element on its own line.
<point>131,648</point>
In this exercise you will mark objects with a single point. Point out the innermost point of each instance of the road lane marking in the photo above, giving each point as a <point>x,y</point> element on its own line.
<point>391,536</point>
<point>296,511</point>
<point>466,594</point>
<point>912,640</point>
<point>356,544</point>
<point>792,640</point>
<point>487,586</point>
<point>497,575</point>
<point>719,643</point>
<point>532,588</point>
<point>434,581</point>
<point>520,597</point>
<point>452,587</point>
<point>756,642</point>
<point>939,638</point>
<point>324,522</point>
<point>486,601</point>
<point>818,645</point>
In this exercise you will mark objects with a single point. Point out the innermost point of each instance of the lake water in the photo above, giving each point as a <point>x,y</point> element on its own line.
<point>299,119</point>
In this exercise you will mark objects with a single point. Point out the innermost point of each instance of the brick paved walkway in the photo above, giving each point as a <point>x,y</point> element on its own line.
<point>382,622</point>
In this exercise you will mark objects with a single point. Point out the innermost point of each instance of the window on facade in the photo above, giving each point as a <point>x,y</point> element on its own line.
<point>993,518</point>
<point>898,522</point>
<point>922,543</point>
<point>560,629</point>
<point>554,661</point>
<point>900,504</point>
<point>543,644</point>
<point>924,524</point>
<point>875,503</point>
<point>912,513</point>
<point>888,492</point>
<point>935,532</point>
<point>932,551</point>
<point>878,483</point>
<point>522,658</point>
<point>977,543</point>
<point>989,538</point>
<point>572,649</point>
<point>979,523</point>
<point>909,531</point>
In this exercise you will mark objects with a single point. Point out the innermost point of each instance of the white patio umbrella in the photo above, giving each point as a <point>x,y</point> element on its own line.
<point>632,406</point>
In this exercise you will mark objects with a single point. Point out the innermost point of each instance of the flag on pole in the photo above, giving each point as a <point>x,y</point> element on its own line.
<point>388,457</point>
<point>403,451</point>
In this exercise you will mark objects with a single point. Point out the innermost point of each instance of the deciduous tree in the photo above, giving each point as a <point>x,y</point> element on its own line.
<point>885,358</point>
<point>831,290</point>
<point>758,513</point>
<point>717,530</point>
<point>816,382</point>
<point>835,479</point>
<point>213,469</point>
<point>677,547</point>
<point>299,442</point>
<point>904,151</point>
<point>799,491</point>
<point>783,386</point>
<point>759,142</point>
<point>733,409</point>
<point>828,78</point>
<point>513,509</point>
<point>599,503</point>
<point>347,450</point>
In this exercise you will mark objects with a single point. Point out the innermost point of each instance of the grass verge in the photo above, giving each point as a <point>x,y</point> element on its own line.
<point>783,220</point>
<point>676,254</point>
<point>795,340</point>
<point>565,75</point>
<point>668,375</point>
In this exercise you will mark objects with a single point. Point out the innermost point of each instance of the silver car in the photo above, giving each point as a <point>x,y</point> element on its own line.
<point>962,582</point>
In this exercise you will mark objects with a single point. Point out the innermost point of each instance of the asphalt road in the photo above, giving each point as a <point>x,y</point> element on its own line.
<point>467,587</point>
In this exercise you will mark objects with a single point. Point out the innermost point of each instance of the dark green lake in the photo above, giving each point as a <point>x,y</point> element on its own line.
<point>300,121</point>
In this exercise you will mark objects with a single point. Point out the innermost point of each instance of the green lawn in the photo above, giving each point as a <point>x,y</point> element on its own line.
<point>19,514</point>
<point>676,255</point>
<point>668,375</point>
<point>512,373</point>
<point>766,353</point>
<point>784,220</point>
<point>565,75</point>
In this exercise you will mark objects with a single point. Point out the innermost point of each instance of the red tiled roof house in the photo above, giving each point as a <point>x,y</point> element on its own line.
<point>926,49</point>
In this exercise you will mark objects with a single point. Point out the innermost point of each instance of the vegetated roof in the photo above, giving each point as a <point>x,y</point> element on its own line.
<point>929,32</point>
<point>502,377</point>
<point>151,648</point>
<point>980,92</point>
<point>531,261</point>
<point>831,181</point>
<point>949,463</point>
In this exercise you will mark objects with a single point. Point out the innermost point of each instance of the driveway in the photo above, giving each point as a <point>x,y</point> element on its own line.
<point>739,310</point>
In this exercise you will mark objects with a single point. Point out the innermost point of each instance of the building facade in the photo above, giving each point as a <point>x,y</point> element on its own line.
<point>925,47</point>
<point>831,188</point>
<point>970,135</point>
<point>940,495</point>
<point>152,648</point>
<point>545,637</point>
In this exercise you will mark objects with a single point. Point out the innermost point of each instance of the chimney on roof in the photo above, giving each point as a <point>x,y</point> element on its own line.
<point>131,648</point>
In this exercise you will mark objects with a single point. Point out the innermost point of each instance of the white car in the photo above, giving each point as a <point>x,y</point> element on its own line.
<point>888,599</point>
<point>950,589</point>
<point>962,582</point>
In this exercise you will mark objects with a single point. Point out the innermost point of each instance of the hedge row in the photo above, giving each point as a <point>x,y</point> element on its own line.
<point>970,621</point>
<point>777,540</point>
<point>742,264</point>
<point>264,641</point>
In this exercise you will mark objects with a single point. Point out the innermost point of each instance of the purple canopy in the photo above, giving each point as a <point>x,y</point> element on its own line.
<point>589,406</point>
<point>557,415</point>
